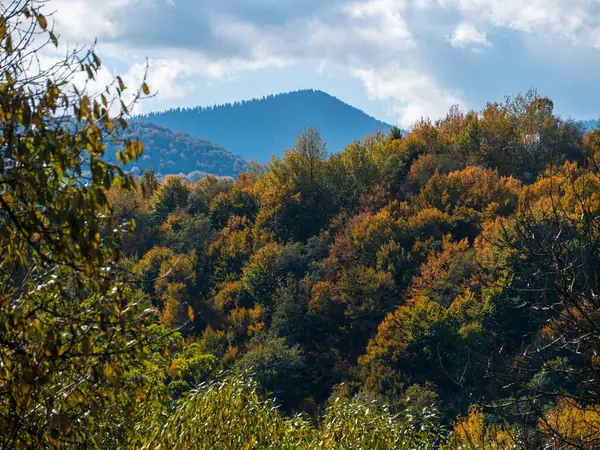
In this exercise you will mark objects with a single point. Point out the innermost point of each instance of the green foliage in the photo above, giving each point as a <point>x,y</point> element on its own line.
<point>239,202</point>
<point>278,368</point>
<point>169,153</point>
<point>189,368</point>
<point>231,414</point>
<point>171,195</point>
<point>294,194</point>
<point>408,269</point>
<point>204,191</point>
<point>72,329</point>
<point>453,265</point>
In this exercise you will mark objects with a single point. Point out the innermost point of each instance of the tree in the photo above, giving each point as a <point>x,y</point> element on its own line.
<point>71,326</point>
<point>471,196</point>
<point>295,199</point>
<point>238,202</point>
<point>395,134</point>
<point>171,195</point>
<point>553,256</point>
<point>278,368</point>
<point>472,432</point>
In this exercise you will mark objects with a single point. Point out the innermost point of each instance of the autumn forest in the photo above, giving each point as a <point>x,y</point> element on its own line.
<point>433,288</point>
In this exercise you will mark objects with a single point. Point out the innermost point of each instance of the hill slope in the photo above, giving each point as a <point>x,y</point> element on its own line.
<point>257,129</point>
<point>170,152</point>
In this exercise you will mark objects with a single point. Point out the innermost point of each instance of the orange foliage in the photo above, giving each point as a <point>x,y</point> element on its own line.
<point>446,274</point>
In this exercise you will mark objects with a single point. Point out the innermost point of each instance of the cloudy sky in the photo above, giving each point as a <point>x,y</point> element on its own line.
<point>398,60</point>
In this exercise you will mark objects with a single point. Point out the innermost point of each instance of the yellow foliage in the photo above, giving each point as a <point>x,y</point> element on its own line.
<point>323,295</point>
<point>246,322</point>
<point>472,433</point>
<point>174,313</point>
<point>570,425</point>
<point>228,296</point>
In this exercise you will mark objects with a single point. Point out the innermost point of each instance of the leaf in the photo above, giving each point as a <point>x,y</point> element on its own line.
<point>9,45</point>
<point>96,60</point>
<point>145,89</point>
<point>85,346</point>
<point>121,84</point>
<point>190,312</point>
<point>89,72</point>
<point>122,158</point>
<point>132,225</point>
<point>109,371</point>
<point>42,21</point>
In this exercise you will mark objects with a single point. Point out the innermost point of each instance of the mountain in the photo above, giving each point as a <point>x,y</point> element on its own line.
<point>589,125</point>
<point>259,128</point>
<point>170,152</point>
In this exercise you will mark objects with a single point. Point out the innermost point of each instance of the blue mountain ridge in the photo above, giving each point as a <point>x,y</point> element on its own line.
<point>260,128</point>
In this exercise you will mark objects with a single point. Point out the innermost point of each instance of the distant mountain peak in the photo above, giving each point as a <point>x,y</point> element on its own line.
<point>259,128</point>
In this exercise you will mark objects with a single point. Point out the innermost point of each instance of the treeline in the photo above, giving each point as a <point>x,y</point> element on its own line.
<point>453,267</point>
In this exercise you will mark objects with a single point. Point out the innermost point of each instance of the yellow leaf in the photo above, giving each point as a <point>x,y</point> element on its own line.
<point>145,89</point>
<point>190,312</point>
<point>42,21</point>
<point>109,371</point>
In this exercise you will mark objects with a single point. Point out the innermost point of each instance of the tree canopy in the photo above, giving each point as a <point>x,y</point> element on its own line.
<point>429,289</point>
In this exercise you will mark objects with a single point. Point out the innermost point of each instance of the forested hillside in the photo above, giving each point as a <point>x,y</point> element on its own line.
<point>260,128</point>
<point>436,289</point>
<point>168,152</point>
<point>452,267</point>
<point>589,125</point>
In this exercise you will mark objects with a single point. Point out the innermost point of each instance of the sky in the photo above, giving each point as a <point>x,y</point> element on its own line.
<point>398,60</point>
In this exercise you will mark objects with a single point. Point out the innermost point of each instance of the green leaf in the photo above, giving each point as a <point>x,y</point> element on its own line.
<point>53,39</point>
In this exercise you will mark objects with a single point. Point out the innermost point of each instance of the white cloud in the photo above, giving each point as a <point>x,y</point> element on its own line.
<point>467,35</point>
<point>82,21</point>
<point>411,93</point>
<point>367,38</point>
<point>381,21</point>
<point>378,41</point>
<point>166,78</point>
<point>576,21</point>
